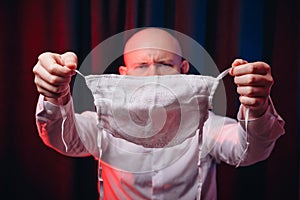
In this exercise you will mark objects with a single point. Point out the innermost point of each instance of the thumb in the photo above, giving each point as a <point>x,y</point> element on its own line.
<point>70,60</point>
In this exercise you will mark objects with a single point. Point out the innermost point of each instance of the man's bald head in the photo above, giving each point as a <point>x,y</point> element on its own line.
<point>154,38</point>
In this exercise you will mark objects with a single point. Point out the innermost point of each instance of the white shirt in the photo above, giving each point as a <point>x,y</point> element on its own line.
<point>192,175</point>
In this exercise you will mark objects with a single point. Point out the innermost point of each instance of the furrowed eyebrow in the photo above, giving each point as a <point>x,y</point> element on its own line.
<point>165,60</point>
<point>139,63</point>
<point>156,61</point>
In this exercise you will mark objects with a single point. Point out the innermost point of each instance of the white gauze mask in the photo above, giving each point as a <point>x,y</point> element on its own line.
<point>161,113</point>
<point>153,111</point>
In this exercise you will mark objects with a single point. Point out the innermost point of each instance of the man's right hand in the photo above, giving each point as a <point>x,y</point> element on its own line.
<point>53,74</point>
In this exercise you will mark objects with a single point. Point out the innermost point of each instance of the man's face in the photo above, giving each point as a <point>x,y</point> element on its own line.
<point>150,62</point>
<point>153,51</point>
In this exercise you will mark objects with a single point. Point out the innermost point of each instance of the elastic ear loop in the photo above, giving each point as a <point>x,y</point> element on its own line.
<point>101,193</point>
<point>64,115</point>
<point>78,72</point>
<point>216,81</point>
<point>219,77</point>
<point>247,143</point>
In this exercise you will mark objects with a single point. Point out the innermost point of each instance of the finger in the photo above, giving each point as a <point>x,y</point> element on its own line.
<point>251,68</point>
<point>54,64</point>
<point>54,80</point>
<point>49,88</point>
<point>235,63</point>
<point>253,91</point>
<point>252,102</point>
<point>69,60</point>
<point>238,62</point>
<point>254,80</point>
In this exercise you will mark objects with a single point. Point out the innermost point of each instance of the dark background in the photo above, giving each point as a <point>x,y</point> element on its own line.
<point>253,30</point>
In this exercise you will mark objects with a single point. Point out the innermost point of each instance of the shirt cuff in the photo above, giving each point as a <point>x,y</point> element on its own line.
<point>269,125</point>
<point>270,113</point>
<point>48,110</point>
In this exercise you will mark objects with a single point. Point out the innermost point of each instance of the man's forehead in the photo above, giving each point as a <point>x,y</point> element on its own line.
<point>153,38</point>
<point>150,52</point>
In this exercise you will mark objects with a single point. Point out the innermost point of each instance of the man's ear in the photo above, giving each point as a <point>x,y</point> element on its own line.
<point>123,70</point>
<point>184,67</point>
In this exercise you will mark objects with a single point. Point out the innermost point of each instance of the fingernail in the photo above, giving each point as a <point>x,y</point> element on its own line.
<point>71,65</point>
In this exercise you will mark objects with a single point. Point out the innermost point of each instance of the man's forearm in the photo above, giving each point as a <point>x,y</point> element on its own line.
<point>56,132</point>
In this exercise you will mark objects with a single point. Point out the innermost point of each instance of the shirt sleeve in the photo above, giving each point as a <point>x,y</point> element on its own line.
<point>70,134</point>
<point>227,140</point>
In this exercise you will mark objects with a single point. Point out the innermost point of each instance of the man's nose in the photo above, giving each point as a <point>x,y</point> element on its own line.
<point>152,70</point>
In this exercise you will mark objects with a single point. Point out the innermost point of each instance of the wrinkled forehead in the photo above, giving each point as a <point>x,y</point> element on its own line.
<point>153,38</point>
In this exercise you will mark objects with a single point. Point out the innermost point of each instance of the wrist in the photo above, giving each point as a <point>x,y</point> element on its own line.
<point>63,100</point>
<point>255,113</point>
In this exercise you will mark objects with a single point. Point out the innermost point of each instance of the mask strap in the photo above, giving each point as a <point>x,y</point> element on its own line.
<point>219,77</point>
<point>247,143</point>
<point>223,74</point>
<point>78,72</point>
<point>64,115</point>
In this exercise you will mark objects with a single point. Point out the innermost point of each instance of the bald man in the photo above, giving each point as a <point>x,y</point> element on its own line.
<point>150,52</point>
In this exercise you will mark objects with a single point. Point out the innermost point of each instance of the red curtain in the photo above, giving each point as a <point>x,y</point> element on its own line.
<point>30,170</point>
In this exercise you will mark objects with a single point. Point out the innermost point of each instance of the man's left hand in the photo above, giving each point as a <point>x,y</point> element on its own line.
<point>254,82</point>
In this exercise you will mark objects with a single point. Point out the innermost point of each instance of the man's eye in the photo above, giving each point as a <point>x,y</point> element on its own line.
<point>142,66</point>
<point>165,65</point>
